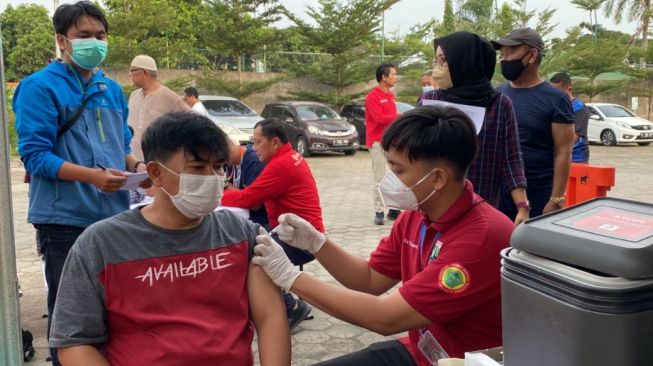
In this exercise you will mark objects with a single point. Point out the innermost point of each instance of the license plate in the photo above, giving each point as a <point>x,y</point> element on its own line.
<point>340,143</point>
<point>646,135</point>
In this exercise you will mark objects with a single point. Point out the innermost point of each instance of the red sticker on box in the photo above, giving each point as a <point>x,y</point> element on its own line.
<point>616,224</point>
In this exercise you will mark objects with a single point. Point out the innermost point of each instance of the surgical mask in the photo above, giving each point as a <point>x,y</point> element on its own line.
<point>427,88</point>
<point>88,53</point>
<point>396,195</point>
<point>442,77</point>
<point>198,195</point>
<point>512,70</point>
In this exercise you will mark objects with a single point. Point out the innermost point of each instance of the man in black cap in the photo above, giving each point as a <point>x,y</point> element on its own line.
<point>545,121</point>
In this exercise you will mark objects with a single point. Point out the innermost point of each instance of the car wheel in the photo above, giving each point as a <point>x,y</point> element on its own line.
<point>608,138</point>
<point>643,143</point>
<point>350,152</point>
<point>302,146</point>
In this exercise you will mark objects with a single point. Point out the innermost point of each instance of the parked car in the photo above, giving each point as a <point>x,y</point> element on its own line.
<point>317,127</point>
<point>231,112</point>
<point>612,124</point>
<point>355,113</point>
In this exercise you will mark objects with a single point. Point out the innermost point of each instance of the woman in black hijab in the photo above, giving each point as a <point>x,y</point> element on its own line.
<point>464,65</point>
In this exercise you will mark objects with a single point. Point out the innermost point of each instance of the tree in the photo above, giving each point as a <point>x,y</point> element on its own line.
<point>239,27</point>
<point>345,32</point>
<point>448,20</point>
<point>504,21</point>
<point>28,39</point>
<point>591,6</point>
<point>634,10</point>
<point>166,30</point>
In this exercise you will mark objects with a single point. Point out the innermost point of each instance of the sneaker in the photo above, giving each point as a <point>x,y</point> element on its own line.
<point>393,214</point>
<point>378,218</point>
<point>298,314</point>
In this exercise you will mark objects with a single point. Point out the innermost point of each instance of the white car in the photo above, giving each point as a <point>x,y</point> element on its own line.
<point>612,124</point>
<point>235,118</point>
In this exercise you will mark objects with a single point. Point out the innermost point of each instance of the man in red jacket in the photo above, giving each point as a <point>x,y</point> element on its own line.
<point>380,111</point>
<point>286,185</point>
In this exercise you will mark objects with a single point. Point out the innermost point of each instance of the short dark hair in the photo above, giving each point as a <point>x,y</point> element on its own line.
<point>383,70</point>
<point>561,78</point>
<point>197,135</point>
<point>273,127</point>
<point>540,55</point>
<point>68,14</point>
<point>434,133</point>
<point>191,92</point>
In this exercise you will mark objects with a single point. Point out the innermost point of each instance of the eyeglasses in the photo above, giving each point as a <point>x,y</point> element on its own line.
<point>439,61</point>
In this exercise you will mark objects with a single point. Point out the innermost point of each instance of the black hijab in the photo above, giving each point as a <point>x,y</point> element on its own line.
<point>471,61</point>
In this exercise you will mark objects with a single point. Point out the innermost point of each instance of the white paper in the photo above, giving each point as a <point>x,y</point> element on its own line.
<point>476,114</point>
<point>133,180</point>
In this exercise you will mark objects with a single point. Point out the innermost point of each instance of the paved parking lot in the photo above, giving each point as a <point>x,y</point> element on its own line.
<point>344,183</point>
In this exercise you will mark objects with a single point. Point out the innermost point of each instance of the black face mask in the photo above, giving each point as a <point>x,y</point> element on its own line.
<point>512,70</point>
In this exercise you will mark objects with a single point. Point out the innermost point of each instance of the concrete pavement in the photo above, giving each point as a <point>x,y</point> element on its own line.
<point>344,183</point>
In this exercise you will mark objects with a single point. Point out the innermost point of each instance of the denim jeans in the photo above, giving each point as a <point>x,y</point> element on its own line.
<point>55,241</point>
<point>388,353</point>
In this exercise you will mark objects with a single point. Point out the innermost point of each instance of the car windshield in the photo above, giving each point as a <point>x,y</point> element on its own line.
<point>614,111</point>
<point>403,107</point>
<point>227,108</point>
<point>316,112</point>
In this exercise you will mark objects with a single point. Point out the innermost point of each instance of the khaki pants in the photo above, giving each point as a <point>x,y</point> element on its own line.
<point>379,166</point>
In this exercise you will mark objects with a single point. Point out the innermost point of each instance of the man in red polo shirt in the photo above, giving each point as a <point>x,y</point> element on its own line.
<point>444,249</point>
<point>286,185</point>
<point>380,111</point>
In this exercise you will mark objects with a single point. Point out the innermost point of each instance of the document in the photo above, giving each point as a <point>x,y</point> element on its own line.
<point>476,114</point>
<point>133,180</point>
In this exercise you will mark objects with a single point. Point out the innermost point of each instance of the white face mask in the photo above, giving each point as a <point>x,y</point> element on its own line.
<point>198,195</point>
<point>396,195</point>
<point>427,88</point>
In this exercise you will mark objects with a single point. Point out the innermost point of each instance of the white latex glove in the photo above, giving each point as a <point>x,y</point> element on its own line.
<point>270,256</point>
<point>299,233</point>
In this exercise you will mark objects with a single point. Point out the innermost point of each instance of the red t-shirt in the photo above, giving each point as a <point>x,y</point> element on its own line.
<point>459,290</point>
<point>380,111</point>
<point>286,185</point>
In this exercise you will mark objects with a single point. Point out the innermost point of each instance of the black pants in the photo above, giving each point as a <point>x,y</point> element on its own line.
<point>55,241</point>
<point>389,353</point>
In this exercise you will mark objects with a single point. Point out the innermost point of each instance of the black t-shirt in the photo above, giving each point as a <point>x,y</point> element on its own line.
<point>536,109</point>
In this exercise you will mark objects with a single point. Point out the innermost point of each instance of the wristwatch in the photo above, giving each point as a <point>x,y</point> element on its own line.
<point>137,164</point>
<point>523,204</point>
<point>559,201</point>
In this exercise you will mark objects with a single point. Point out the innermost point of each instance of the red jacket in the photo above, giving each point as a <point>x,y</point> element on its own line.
<point>285,185</point>
<point>380,111</point>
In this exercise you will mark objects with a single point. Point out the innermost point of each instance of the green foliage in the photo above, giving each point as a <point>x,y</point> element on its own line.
<point>216,82</point>
<point>176,85</point>
<point>28,39</point>
<point>448,19</point>
<point>11,124</point>
<point>640,11</point>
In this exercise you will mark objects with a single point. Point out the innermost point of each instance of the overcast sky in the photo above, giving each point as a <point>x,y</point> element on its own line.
<point>407,13</point>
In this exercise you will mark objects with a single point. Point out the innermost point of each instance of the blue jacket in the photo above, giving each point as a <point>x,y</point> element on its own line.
<point>43,103</point>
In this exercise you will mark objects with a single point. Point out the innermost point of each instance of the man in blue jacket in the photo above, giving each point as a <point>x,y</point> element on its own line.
<point>76,176</point>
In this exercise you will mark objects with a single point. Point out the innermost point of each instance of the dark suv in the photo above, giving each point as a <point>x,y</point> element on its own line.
<point>318,127</point>
<point>354,112</point>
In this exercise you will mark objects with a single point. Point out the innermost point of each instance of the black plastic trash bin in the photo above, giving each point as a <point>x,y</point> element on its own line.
<point>577,287</point>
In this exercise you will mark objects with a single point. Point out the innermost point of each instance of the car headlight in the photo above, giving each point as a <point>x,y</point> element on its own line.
<point>351,129</point>
<point>230,130</point>
<point>623,124</point>
<point>315,130</point>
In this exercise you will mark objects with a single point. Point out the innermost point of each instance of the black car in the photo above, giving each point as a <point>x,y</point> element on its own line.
<point>317,127</point>
<point>355,114</point>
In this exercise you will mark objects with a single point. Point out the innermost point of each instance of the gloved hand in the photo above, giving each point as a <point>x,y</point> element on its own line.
<point>299,233</point>
<point>270,256</point>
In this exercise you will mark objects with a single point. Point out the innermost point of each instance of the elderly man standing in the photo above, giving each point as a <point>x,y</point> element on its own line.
<point>150,101</point>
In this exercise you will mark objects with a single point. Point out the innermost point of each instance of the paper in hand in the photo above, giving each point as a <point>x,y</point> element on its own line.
<point>133,180</point>
<point>476,114</point>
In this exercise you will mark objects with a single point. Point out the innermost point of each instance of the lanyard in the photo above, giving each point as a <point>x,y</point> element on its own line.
<point>422,234</point>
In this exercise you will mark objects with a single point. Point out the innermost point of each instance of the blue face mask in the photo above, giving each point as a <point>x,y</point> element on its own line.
<point>88,53</point>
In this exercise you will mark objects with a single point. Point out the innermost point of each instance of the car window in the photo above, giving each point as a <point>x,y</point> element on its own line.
<point>316,112</point>
<point>615,111</point>
<point>272,112</point>
<point>346,111</point>
<point>403,107</point>
<point>227,108</point>
<point>285,114</point>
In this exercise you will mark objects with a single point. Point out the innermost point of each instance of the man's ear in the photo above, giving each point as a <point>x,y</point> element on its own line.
<point>533,56</point>
<point>62,42</point>
<point>442,176</point>
<point>154,171</point>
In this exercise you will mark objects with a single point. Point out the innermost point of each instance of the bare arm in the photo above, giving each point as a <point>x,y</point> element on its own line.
<point>269,317</point>
<point>563,139</point>
<point>86,355</point>
<point>519,195</point>
<point>385,314</point>
<point>351,271</point>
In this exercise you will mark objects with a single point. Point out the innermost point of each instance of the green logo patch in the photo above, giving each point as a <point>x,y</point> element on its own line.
<point>454,278</point>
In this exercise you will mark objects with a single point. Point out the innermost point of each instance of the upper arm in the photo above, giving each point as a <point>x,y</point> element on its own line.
<point>264,296</point>
<point>398,315</point>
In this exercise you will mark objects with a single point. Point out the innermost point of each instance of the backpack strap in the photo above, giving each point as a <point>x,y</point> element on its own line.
<point>71,122</point>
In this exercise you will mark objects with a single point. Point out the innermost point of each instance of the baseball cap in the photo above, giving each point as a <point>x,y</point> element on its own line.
<point>520,36</point>
<point>144,62</point>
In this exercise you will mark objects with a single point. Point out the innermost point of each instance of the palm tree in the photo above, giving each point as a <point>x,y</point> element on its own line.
<point>634,10</point>
<point>591,6</point>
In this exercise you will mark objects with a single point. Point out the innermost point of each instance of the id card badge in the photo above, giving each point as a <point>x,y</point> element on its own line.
<point>431,348</point>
